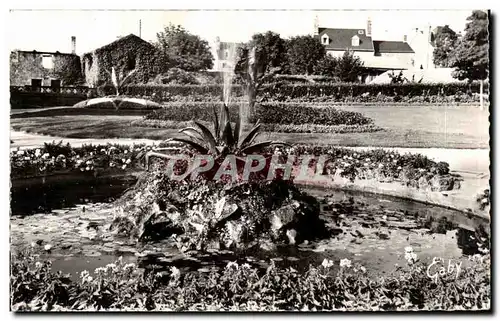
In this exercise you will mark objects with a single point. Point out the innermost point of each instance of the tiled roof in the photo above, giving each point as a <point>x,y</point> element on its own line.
<point>340,39</point>
<point>391,47</point>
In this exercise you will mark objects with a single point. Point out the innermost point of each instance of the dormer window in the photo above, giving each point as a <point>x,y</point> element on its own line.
<point>325,39</point>
<point>355,41</point>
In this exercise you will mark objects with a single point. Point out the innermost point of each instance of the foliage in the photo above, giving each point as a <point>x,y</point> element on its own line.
<point>184,50</point>
<point>471,60</point>
<point>224,140</point>
<point>348,67</point>
<point>88,159</point>
<point>327,66</point>
<point>269,113</point>
<point>312,92</point>
<point>126,54</point>
<point>277,128</point>
<point>176,76</point>
<point>445,41</point>
<point>243,287</point>
<point>304,53</point>
<point>69,70</point>
<point>258,62</point>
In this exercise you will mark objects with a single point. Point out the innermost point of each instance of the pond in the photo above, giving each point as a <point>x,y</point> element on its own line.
<point>366,228</point>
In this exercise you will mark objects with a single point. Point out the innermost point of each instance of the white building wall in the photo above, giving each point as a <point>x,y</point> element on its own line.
<point>406,59</point>
<point>363,55</point>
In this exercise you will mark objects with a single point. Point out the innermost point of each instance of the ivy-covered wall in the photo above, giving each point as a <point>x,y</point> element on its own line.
<point>27,65</point>
<point>125,54</point>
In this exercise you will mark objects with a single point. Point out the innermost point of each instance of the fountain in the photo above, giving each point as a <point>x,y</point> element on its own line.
<point>118,102</point>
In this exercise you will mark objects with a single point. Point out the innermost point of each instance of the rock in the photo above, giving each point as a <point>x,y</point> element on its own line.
<point>158,226</point>
<point>291,234</point>
<point>443,183</point>
<point>282,216</point>
<point>382,236</point>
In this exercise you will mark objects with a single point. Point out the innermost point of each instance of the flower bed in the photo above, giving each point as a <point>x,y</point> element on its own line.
<point>243,287</point>
<point>414,170</point>
<point>59,158</point>
<point>410,169</point>
<point>277,128</point>
<point>274,113</point>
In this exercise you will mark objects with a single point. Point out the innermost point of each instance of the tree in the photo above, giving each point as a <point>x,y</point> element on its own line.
<point>258,61</point>
<point>304,53</point>
<point>184,50</point>
<point>471,60</point>
<point>446,41</point>
<point>326,66</point>
<point>349,67</point>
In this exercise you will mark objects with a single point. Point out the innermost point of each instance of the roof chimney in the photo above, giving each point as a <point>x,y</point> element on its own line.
<point>316,26</point>
<point>369,27</point>
<point>73,44</point>
<point>405,38</point>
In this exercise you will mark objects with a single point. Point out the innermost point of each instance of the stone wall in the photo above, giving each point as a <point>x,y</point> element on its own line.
<point>28,65</point>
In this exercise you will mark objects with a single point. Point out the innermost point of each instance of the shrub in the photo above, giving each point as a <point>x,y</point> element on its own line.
<point>269,113</point>
<point>176,76</point>
<point>312,92</point>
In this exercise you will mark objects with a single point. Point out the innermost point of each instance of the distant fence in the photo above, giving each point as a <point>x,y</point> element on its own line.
<point>46,96</point>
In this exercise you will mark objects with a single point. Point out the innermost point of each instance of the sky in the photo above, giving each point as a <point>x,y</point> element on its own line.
<point>51,30</point>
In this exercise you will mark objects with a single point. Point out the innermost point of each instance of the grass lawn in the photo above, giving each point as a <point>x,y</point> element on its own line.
<point>440,127</point>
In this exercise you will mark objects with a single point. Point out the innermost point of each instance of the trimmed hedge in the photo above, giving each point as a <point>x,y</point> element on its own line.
<point>460,92</point>
<point>272,113</point>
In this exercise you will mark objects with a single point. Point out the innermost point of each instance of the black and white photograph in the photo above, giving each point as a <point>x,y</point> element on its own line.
<point>249,160</point>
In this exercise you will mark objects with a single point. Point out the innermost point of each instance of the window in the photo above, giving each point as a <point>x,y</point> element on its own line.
<point>47,61</point>
<point>325,40</point>
<point>355,41</point>
<point>226,54</point>
<point>360,32</point>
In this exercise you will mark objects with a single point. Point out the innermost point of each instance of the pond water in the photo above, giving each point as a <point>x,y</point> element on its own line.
<point>370,229</point>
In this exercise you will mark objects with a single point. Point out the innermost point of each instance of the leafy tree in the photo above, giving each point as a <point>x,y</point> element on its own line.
<point>446,41</point>
<point>258,61</point>
<point>326,66</point>
<point>471,60</point>
<point>348,67</point>
<point>304,53</point>
<point>183,49</point>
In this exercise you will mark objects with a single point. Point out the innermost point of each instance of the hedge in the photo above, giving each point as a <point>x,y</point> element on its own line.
<point>283,91</point>
<point>271,113</point>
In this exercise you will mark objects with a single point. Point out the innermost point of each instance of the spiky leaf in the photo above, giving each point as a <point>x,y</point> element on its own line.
<point>196,146</point>
<point>259,146</point>
<point>193,133</point>
<point>227,135</point>
<point>216,124</point>
<point>237,130</point>
<point>208,137</point>
<point>251,135</point>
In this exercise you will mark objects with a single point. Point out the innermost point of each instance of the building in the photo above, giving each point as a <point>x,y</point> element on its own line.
<point>125,54</point>
<point>378,56</point>
<point>224,54</point>
<point>36,69</point>
<point>421,40</point>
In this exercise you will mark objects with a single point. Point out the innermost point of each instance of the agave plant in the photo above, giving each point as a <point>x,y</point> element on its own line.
<point>223,141</point>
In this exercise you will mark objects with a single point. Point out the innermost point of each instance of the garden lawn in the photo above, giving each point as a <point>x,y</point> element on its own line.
<point>412,126</point>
